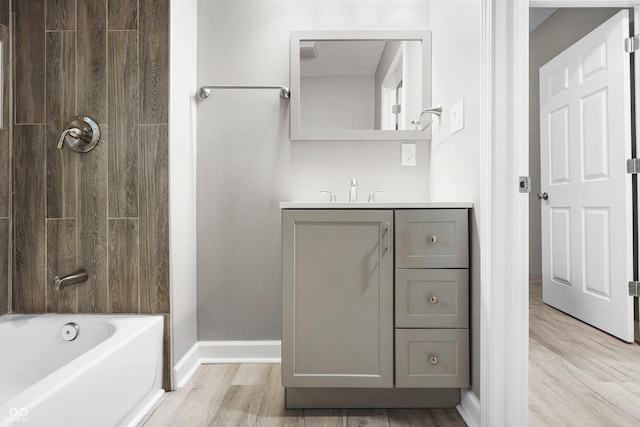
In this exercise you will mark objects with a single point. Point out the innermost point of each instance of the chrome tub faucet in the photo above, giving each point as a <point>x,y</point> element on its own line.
<point>79,276</point>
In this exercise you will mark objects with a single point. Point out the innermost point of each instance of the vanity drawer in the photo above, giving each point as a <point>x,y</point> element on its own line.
<point>432,358</point>
<point>432,238</point>
<point>432,298</point>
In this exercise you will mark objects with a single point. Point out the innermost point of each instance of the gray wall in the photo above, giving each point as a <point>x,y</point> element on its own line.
<point>557,33</point>
<point>247,164</point>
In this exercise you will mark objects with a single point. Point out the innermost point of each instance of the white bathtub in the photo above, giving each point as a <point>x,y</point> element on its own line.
<point>110,375</point>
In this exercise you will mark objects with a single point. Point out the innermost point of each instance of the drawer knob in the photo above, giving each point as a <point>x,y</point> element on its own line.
<point>433,299</point>
<point>434,360</point>
<point>434,239</point>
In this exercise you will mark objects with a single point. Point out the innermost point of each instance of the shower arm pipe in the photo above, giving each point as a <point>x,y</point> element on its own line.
<point>437,110</point>
<point>205,91</point>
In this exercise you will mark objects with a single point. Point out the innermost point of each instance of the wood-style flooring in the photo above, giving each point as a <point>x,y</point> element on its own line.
<point>578,375</point>
<point>251,395</point>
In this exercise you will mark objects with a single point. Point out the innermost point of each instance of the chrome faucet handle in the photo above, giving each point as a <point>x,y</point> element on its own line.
<point>74,132</point>
<point>332,195</point>
<point>372,195</point>
<point>80,134</point>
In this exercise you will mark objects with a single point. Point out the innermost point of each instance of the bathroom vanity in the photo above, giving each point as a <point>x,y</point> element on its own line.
<point>375,304</point>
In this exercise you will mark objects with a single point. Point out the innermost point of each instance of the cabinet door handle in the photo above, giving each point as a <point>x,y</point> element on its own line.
<point>434,360</point>
<point>433,299</point>
<point>387,241</point>
<point>434,239</point>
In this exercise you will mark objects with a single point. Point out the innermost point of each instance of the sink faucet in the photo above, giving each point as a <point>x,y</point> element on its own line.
<point>353,191</point>
<point>76,277</point>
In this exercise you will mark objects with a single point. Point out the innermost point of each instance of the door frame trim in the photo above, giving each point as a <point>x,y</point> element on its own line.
<point>504,246</point>
<point>504,317</point>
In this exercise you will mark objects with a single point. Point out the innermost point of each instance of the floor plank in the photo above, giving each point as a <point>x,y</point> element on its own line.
<point>578,375</point>
<point>252,395</point>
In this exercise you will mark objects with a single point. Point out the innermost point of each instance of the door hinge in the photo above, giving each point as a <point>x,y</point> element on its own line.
<point>523,184</point>
<point>633,166</point>
<point>634,289</point>
<point>632,44</point>
<point>396,109</point>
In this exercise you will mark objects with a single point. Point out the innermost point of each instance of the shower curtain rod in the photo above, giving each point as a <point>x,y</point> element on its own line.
<point>205,91</point>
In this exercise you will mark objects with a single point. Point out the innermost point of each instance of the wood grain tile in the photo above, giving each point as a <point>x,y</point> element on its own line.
<point>271,412</point>
<point>570,358</point>
<point>61,106</point>
<point>29,273</point>
<point>61,15</point>
<point>29,60</point>
<point>93,236</point>
<point>92,59</point>
<point>166,354</point>
<point>195,403</point>
<point>123,124</point>
<point>424,417</point>
<point>154,219</point>
<point>123,15</point>
<point>5,254</point>
<point>325,417</point>
<point>154,61</point>
<point>239,406</point>
<point>5,14</point>
<point>123,266</point>
<point>5,129</point>
<point>61,260</point>
<point>367,417</point>
<point>211,399</point>
<point>252,374</point>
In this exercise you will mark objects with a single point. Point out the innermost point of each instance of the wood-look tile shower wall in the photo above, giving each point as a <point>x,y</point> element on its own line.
<point>106,210</point>
<point>5,159</point>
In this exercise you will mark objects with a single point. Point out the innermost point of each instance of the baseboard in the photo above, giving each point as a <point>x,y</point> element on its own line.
<point>204,352</point>
<point>469,408</point>
<point>184,369</point>
<point>240,351</point>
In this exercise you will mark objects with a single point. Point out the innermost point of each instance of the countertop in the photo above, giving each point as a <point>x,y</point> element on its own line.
<point>377,205</point>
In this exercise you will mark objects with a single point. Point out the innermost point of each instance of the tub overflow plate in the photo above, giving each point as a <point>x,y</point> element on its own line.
<point>70,331</point>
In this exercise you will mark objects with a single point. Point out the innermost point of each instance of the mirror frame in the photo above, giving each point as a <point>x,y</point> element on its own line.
<point>357,134</point>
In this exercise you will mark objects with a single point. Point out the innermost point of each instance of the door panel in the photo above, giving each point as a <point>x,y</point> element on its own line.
<point>559,145</point>
<point>337,293</point>
<point>596,252</point>
<point>561,247</point>
<point>594,142</point>
<point>585,139</point>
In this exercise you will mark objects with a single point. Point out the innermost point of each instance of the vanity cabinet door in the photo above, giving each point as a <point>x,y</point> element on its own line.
<point>337,296</point>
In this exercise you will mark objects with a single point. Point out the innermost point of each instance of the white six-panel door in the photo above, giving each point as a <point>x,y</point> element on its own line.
<point>585,139</point>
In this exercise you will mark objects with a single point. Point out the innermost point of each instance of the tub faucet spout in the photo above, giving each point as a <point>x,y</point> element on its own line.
<point>74,278</point>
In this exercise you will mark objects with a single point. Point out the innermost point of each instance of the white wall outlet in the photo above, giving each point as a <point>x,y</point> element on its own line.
<point>457,117</point>
<point>408,154</point>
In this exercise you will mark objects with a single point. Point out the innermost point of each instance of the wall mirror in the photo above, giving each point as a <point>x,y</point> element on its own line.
<point>360,85</point>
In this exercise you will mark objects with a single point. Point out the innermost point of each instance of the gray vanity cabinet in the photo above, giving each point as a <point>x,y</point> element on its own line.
<point>375,300</point>
<point>337,288</point>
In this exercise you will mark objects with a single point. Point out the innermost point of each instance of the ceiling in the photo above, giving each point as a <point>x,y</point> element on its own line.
<point>343,58</point>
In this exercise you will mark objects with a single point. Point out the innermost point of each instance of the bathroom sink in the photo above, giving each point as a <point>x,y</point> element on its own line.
<point>375,205</point>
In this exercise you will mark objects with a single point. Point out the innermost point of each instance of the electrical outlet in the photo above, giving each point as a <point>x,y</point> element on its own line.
<point>408,154</point>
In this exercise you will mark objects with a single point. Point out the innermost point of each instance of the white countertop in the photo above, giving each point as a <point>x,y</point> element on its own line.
<point>376,205</point>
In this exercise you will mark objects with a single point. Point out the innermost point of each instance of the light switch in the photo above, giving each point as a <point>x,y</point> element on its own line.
<point>457,117</point>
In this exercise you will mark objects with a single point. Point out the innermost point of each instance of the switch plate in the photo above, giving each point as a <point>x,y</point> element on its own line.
<point>457,117</point>
<point>408,154</point>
